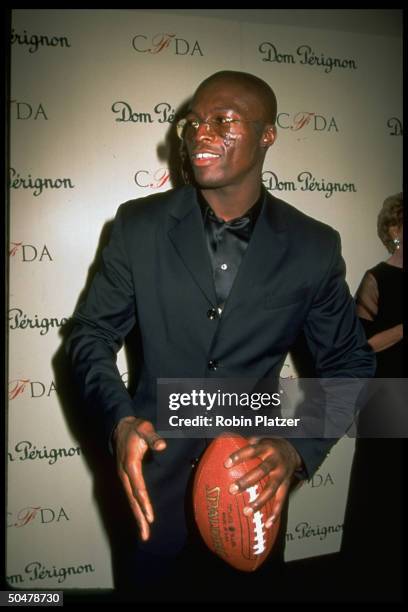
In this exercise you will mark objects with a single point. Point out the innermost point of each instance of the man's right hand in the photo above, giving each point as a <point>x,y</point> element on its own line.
<point>132,437</point>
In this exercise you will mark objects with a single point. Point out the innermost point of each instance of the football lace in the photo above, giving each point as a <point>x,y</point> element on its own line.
<point>259,538</point>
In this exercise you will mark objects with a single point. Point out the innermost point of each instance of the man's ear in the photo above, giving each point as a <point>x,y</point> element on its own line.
<point>269,136</point>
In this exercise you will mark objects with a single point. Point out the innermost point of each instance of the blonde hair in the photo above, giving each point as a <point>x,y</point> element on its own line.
<point>391,214</point>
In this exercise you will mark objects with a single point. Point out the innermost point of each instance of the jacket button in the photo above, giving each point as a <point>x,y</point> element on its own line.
<point>213,365</point>
<point>212,314</point>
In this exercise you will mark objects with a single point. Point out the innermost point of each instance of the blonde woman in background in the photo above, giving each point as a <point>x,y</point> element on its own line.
<point>383,421</point>
<point>379,296</point>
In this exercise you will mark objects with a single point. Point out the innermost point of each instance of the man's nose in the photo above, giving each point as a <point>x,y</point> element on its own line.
<point>204,131</point>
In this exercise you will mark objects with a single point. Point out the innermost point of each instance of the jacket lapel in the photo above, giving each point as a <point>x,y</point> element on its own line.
<point>265,253</point>
<point>187,237</point>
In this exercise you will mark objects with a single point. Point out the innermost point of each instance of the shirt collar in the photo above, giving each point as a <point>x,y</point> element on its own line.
<point>253,212</point>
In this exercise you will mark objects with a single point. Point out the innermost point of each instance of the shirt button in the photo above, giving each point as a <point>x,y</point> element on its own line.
<point>212,314</point>
<point>212,365</point>
<point>224,267</point>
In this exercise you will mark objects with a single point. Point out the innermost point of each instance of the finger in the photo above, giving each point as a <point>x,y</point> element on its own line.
<point>254,475</point>
<point>271,521</point>
<point>139,490</point>
<point>266,495</point>
<point>136,510</point>
<point>277,505</point>
<point>147,431</point>
<point>247,452</point>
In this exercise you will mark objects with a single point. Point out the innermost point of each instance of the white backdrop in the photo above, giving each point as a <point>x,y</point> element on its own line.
<point>93,95</point>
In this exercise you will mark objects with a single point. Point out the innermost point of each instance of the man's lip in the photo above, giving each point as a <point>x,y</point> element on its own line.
<point>204,161</point>
<point>205,151</point>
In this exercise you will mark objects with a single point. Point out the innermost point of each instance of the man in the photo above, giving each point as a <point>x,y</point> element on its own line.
<point>220,277</point>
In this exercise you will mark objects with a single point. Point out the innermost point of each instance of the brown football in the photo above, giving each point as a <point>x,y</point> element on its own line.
<point>242,541</point>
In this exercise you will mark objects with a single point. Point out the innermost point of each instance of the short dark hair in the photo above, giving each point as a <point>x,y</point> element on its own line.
<point>391,214</point>
<point>261,88</point>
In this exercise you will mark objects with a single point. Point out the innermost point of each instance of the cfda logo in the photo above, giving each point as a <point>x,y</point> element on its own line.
<point>300,120</point>
<point>32,388</point>
<point>24,111</point>
<point>31,514</point>
<point>29,252</point>
<point>152,179</point>
<point>160,42</point>
<point>321,480</point>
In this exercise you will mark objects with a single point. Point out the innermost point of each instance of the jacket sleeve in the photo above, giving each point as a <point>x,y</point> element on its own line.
<point>340,351</point>
<point>101,323</point>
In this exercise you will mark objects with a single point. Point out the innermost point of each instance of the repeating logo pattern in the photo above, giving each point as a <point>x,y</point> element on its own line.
<point>163,41</point>
<point>18,319</point>
<point>306,181</point>
<point>37,571</point>
<point>130,110</point>
<point>33,389</point>
<point>37,185</point>
<point>34,41</point>
<point>305,55</point>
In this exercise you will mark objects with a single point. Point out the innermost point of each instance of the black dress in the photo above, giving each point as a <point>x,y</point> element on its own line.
<point>380,296</point>
<point>373,522</point>
<point>389,313</point>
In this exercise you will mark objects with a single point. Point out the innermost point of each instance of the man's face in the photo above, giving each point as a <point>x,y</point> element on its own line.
<point>218,159</point>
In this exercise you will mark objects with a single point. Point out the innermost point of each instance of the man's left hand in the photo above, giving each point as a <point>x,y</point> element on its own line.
<point>279,461</point>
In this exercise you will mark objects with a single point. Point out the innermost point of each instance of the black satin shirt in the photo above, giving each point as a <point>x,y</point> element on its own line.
<point>227,242</point>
